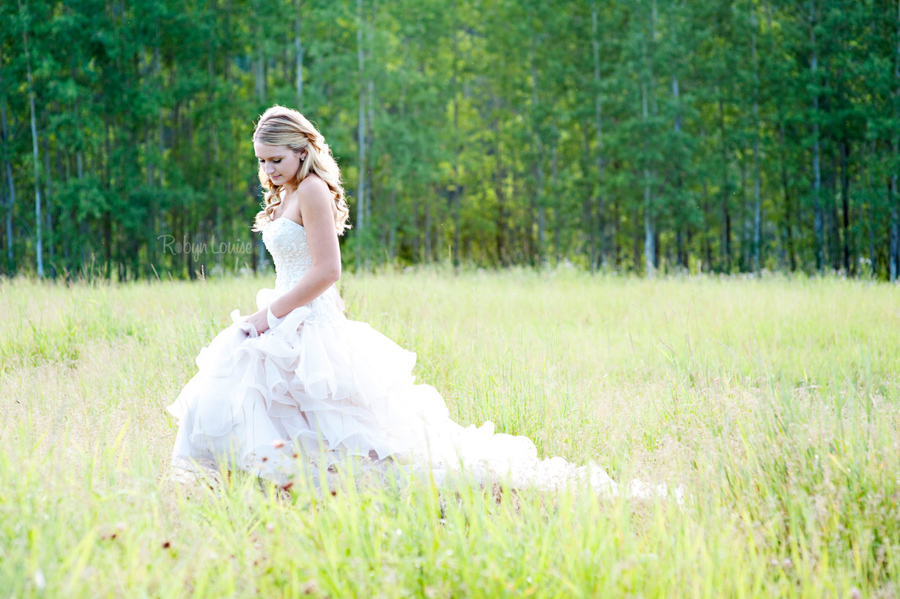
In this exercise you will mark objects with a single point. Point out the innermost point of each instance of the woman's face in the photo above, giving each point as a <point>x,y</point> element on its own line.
<point>279,162</point>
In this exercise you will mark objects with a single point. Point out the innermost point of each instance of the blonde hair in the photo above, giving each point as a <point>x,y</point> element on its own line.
<point>281,126</point>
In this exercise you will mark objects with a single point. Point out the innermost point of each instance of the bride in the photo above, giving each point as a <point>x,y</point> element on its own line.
<point>296,383</point>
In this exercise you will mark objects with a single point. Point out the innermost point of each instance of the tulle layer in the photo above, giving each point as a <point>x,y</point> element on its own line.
<point>307,388</point>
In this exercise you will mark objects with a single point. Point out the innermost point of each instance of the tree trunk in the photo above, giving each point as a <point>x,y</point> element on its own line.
<point>260,75</point>
<point>298,51</point>
<point>392,229</point>
<point>683,226</point>
<point>651,251</point>
<point>598,119</point>
<point>11,202</point>
<point>869,211</point>
<point>557,215</point>
<point>499,180</point>
<point>457,138</point>
<point>587,202</point>
<point>788,216</point>
<point>34,148</point>
<point>370,145</point>
<point>83,225</point>
<point>707,219</point>
<point>818,225</point>
<point>428,247</point>
<point>649,236</point>
<point>48,200</point>
<point>538,197</point>
<point>756,200</point>
<point>894,254</point>
<point>636,247</point>
<point>361,136</point>
<point>107,218</point>
<point>370,116</point>
<point>615,248</point>
<point>845,203</point>
<point>156,255</point>
<point>726,190</point>
<point>833,241</point>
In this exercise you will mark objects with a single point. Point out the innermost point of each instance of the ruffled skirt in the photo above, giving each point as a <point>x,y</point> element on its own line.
<point>306,388</point>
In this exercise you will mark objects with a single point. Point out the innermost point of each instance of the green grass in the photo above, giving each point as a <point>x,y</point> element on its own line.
<point>774,402</point>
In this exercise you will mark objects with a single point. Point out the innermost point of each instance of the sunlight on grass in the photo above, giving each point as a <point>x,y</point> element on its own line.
<point>774,401</point>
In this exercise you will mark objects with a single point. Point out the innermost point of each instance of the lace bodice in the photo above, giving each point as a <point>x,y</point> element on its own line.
<point>286,242</point>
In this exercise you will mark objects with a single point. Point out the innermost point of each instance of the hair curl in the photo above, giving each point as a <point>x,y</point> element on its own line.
<point>281,126</point>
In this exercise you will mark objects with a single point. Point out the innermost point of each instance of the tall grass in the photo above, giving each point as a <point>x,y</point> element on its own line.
<point>774,402</point>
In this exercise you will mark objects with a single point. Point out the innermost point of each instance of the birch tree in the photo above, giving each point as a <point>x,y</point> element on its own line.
<point>10,203</point>
<point>34,144</point>
<point>894,254</point>
<point>817,171</point>
<point>756,198</point>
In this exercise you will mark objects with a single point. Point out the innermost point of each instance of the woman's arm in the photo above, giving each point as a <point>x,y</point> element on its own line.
<point>314,201</point>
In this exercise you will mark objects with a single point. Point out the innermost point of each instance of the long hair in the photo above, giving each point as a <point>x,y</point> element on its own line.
<point>280,126</point>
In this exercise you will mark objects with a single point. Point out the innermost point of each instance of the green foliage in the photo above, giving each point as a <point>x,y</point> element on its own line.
<point>617,135</point>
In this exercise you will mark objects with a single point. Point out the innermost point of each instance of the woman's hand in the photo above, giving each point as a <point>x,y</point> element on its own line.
<point>259,320</point>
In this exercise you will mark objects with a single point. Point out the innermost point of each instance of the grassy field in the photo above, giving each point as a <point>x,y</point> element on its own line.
<point>774,402</point>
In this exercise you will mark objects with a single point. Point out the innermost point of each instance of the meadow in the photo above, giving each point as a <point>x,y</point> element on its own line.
<point>773,400</point>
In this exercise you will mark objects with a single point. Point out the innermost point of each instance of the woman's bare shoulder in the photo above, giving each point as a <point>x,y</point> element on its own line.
<point>312,185</point>
<point>313,195</point>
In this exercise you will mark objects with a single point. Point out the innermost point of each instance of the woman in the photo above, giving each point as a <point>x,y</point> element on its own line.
<point>296,382</point>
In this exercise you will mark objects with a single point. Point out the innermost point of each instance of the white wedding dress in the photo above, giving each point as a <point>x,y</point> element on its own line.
<point>317,384</point>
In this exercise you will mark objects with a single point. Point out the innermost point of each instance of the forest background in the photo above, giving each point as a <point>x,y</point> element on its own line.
<point>626,135</point>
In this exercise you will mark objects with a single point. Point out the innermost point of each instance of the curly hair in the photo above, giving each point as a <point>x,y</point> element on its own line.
<point>281,126</point>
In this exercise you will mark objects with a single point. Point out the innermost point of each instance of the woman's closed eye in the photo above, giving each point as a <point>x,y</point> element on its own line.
<point>275,161</point>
